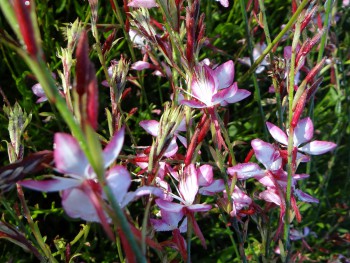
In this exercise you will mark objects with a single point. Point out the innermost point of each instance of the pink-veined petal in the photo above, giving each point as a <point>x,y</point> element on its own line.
<point>270,196</point>
<point>118,179</point>
<point>78,205</point>
<point>112,150</point>
<point>276,133</point>
<point>199,207</point>
<point>52,185</point>
<point>215,187</point>
<point>151,126</point>
<point>267,154</point>
<point>303,132</point>
<point>188,185</point>
<point>204,87</point>
<point>205,175</point>
<point>68,156</point>
<point>225,74</point>
<point>224,95</point>
<point>169,206</point>
<point>318,147</point>
<point>245,170</point>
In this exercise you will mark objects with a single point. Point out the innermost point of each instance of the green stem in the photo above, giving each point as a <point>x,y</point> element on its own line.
<point>275,41</point>
<point>257,95</point>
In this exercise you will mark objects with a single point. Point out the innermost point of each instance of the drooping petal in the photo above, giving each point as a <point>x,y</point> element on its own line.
<point>169,221</point>
<point>169,206</point>
<point>151,126</point>
<point>77,205</point>
<point>172,148</point>
<point>68,156</point>
<point>118,179</point>
<point>112,150</point>
<point>245,170</point>
<point>141,191</point>
<point>318,147</point>
<point>303,132</point>
<point>53,185</point>
<point>267,154</point>
<point>276,133</point>
<point>188,185</point>
<point>225,74</point>
<point>205,175</point>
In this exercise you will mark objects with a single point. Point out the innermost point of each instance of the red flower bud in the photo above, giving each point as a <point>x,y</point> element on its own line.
<point>82,66</point>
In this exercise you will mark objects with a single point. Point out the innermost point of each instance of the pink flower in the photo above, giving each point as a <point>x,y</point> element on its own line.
<point>303,133</point>
<point>212,87</point>
<point>224,3</point>
<point>152,127</point>
<point>80,187</point>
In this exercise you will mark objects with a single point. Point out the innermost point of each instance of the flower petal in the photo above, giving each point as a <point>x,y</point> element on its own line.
<point>68,156</point>
<point>225,74</point>
<point>118,179</point>
<point>199,207</point>
<point>267,154</point>
<point>112,150</point>
<point>141,65</point>
<point>143,3</point>
<point>276,133</point>
<point>305,197</point>
<point>216,187</point>
<point>270,196</point>
<point>77,205</point>
<point>54,185</point>
<point>239,95</point>
<point>188,185</point>
<point>141,191</point>
<point>169,206</point>
<point>245,170</point>
<point>303,131</point>
<point>151,126</point>
<point>318,147</point>
<point>194,104</point>
<point>205,175</point>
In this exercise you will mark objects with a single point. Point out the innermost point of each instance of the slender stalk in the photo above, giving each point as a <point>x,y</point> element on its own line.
<point>257,95</point>
<point>275,41</point>
<point>290,164</point>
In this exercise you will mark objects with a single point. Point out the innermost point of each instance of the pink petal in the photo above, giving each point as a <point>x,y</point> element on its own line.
<point>225,74</point>
<point>245,170</point>
<point>239,95</point>
<point>204,88</point>
<point>169,206</point>
<point>303,131</point>
<point>54,185</point>
<point>205,175</point>
<point>305,197</point>
<point>188,185</point>
<point>141,65</point>
<point>143,3</point>
<point>118,179</point>
<point>112,150</point>
<point>151,126</point>
<point>277,133</point>
<point>78,205</point>
<point>318,147</point>
<point>183,140</point>
<point>224,94</point>
<point>267,154</point>
<point>199,208</point>
<point>68,156</point>
<point>270,196</point>
<point>172,148</point>
<point>38,90</point>
<point>216,187</point>
<point>224,3</point>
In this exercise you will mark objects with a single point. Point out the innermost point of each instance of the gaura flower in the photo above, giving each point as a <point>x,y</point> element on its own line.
<point>142,3</point>
<point>303,133</point>
<point>80,188</point>
<point>211,87</point>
